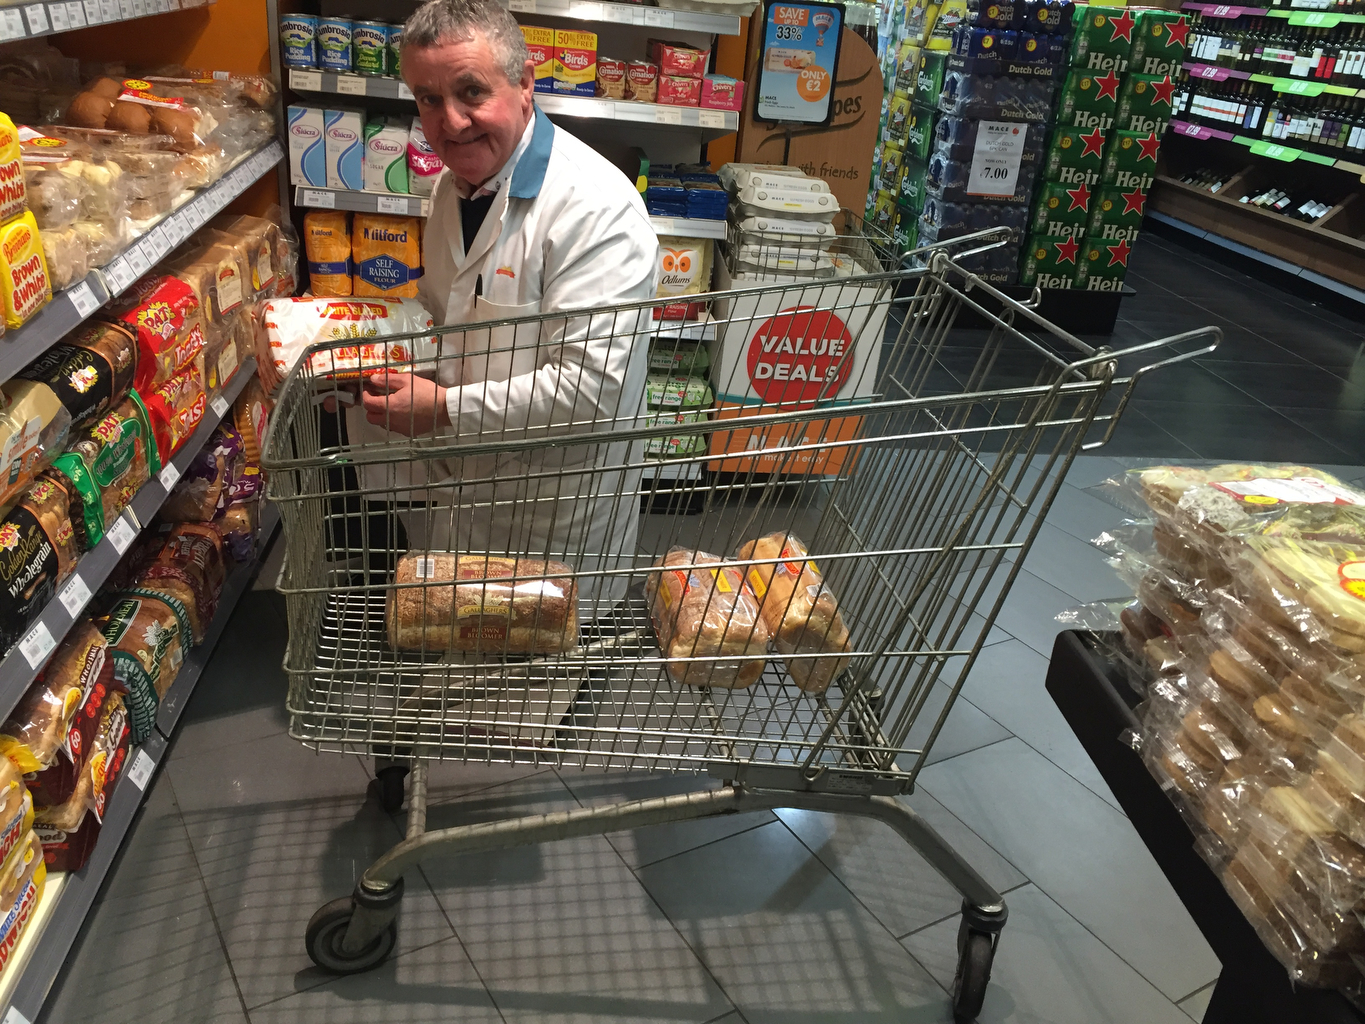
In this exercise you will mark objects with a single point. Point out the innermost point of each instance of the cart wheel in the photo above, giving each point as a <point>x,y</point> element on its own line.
<point>327,928</point>
<point>973,974</point>
<point>391,786</point>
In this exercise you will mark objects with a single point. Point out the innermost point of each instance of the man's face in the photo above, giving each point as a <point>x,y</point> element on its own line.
<point>472,116</point>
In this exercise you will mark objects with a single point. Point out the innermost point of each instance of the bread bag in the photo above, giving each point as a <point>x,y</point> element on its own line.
<point>704,612</point>
<point>800,611</point>
<point>109,461</point>
<point>482,603</point>
<point>291,325</point>
<point>30,570</point>
<point>167,318</point>
<point>189,567</point>
<point>148,634</point>
<point>90,370</point>
<point>175,408</point>
<point>21,889</point>
<point>96,774</point>
<point>16,809</point>
<point>34,428</point>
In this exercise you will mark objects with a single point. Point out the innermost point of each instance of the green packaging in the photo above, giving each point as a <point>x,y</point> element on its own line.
<point>116,454</point>
<point>929,83</point>
<point>911,195</point>
<point>1130,159</point>
<point>1103,264</point>
<point>664,391</point>
<point>1159,42</point>
<point>1088,100</point>
<point>1145,103</point>
<point>1116,214</point>
<point>1075,156</point>
<point>678,358</point>
<point>1050,262</point>
<point>1062,210</point>
<point>674,445</point>
<point>919,132</point>
<point>1103,38</point>
<point>905,232</point>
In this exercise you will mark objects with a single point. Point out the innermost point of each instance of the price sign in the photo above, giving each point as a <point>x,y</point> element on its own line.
<point>996,157</point>
<point>75,14</point>
<point>139,8</point>
<point>350,85</point>
<point>137,261</point>
<point>59,20</point>
<point>37,18</point>
<point>798,65</point>
<point>522,6</point>
<point>586,11</point>
<point>1314,19</point>
<point>170,473</point>
<point>656,17</point>
<point>37,644</point>
<point>667,115</point>
<point>74,596</point>
<point>11,25</point>
<point>404,93</point>
<point>83,298</point>
<point>711,118</point>
<point>1274,151</point>
<point>319,200</point>
<point>1296,88</point>
<point>1209,71</point>
<point>219,406</point>
<point>623,15</point>
<point>306,80</point>
<point>93,14</point>
<point>121,534</point>
<point>392,204</point>
<point>141,769</point>
<point>1221,11</point>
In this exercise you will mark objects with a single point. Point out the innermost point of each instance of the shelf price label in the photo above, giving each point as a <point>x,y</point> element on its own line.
<point>37,18</point>
<point>306,80</point>
<point>141,769</point>
<point>1274,151</point>
<point>1314,19</point>
<point>392,204</point>
<point>83,298</point>
<point>996,158</point>
<point>109,10</point>
<point>711,118</point>
<point>11,25</point>
<point>522,6</point>
<point>588,11</point>
<point>121,535</point>
<point>57,13</point>
<point>93,14</point>
<point>668,115</point>
<point>657,17</point>
<point>318,200</point>
<point>1297,88</point>
<point>75,595</point>
<point>404,93</point>
<point>623,15</point>
<point>219,406</point>
<point>350,85</point>
<point>37,644</point>
<point>75,14</point>
<point>170,473</point>
<point>1210,71</point>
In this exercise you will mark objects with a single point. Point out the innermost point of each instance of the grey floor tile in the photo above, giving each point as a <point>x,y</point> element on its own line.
<point>1073,566</point>
<point>986,859</point>
<point>966,727</point>
<point>1030,611</point>
<point>733,1017</point>
<point>436,983</point>
<point>279,831</point>
<point>655,842</point>
<point>1083,514</point>
<point>151,952</point>
<point>1008,683</point>
<point>197,738</point>
<point>1049,968</point>
<point>1197,1004</point>
<point>1081,852</point>
<point>784,937</point>
<point>563,931</point>
<point>245,672</point>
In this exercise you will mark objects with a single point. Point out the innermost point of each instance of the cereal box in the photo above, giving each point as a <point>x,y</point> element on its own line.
<point>575,62</point>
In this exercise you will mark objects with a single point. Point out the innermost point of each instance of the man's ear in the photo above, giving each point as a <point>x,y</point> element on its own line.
<point>528,81</point>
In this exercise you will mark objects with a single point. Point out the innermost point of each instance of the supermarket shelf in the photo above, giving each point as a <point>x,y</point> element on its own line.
<point>718,122</point>
<point>1200,131</point>
<point>682,227</point>
<point>77,894</point>
<point>1292,86</point>
<point>75,304</point>
<point>629,14</point>
<point>360,202</point>
<point>702,329</point>
<point>1271,150</point>
<point>178,696</point>
<point>1222,10</point>
<point>26,21</point>
<point>348,85</point>
<point>18,669</point>
<point>1212,72</point>
<point>1312,19</point>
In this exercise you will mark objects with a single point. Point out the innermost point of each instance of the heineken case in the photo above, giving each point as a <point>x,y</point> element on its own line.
<point>1116,214</point>
<point>1130,160</point>
<point>1075,156</point>
<point>1145,103</point>
<point>1103,39</point>
<point>1159,43</point>
<point>1103,264</point>
<point>1062,211</point>
<point>1089,100</point>
<point>1051,262</point>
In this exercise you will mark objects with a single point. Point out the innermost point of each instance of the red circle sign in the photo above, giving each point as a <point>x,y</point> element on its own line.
<point>800,355</point>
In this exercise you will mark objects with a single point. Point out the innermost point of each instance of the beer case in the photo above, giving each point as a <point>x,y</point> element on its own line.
<point>1145,103</point>
<point>1075,156</point>
<point>919,132</point>
<point>1051,262</point>
<point>1116,214</point>
<point>1103,38</point>
<point>905,230</point>
<point>1089,100</point>
<point>893,158</point>
<point>1103,264</point>
<point>1062,210</point>
<point>1159,42</point>
<point>1130,159</point>
<point>933,66</point>
<point>898,115</point>
<point>911,194</point>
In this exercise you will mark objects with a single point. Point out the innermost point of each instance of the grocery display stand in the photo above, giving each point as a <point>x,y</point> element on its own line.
<point>27,21</point>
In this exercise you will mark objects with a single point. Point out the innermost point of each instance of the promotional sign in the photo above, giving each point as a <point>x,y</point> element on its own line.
<point>995,160</point>
<point>797,66</point>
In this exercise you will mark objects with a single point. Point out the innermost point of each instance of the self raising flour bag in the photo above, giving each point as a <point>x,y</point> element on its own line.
<point>423,163</point>
<point>291,325</point>
<point>386,156</point>
<point>387,255</point>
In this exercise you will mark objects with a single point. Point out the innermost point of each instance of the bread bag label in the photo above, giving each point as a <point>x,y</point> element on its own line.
<point>24,278</point>
<point>1352,576</point>
<point>135,90</point>
<point>17,827</point>
<point>28,573</point>
<point>17,918</point>
<point>13,195</point>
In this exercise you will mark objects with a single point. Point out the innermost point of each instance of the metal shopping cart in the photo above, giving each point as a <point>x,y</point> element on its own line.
<point>904,466</point>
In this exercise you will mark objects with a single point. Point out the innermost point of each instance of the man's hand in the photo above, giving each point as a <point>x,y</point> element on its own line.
<point>405,403</point>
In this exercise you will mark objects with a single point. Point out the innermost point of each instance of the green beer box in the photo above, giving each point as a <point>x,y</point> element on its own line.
<point>1159,43</point>
<point>1103,38</point>
<point>1145,103</point>
<point>919,131</point>
<point>1130,160</point>
<point>1116,214</point>
<point>905,230</point>
<point>1062,211</point>
<point>1089,100</point>
<point>911,195</point>
<point>933,64</point>
<point>1051,262</point>
<point>1103,264</point>
<point>1075,156</point>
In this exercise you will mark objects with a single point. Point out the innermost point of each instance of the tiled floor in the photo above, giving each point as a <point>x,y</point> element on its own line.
<point>787,917</point>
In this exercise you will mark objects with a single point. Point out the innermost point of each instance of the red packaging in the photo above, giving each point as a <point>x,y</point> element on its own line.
<point>679,311</point>
<point>611,78</point>
<point>721,93</point>
<point>68,851</point>
<point>642,81</point>
<point>175,408</point>
<point>169,322</point>
<point>679,92</point>
<point>69,833</point>
<point>678,59</point>
<point>55,784</point>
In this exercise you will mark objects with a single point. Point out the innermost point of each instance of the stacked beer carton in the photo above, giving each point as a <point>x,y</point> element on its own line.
<point>1111,113</point>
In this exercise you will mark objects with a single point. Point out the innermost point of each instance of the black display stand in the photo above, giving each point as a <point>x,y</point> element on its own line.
<point>1253,987</point>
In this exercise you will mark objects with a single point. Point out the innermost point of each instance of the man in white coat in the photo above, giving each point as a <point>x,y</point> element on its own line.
<point>525,219</point>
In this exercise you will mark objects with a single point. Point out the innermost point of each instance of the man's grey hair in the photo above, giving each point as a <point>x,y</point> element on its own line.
<point>439,20</point>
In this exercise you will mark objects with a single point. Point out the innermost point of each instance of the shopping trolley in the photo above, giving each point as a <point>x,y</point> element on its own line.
<point>906,467</point>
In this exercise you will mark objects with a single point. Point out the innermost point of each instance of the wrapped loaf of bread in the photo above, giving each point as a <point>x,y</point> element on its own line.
<point>482,603</point>
<point>801,613</point>
<point>38,726</point>
<point>703,612</point>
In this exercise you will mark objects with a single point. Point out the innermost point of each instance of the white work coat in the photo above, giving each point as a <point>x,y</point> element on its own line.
<point>568,231</point>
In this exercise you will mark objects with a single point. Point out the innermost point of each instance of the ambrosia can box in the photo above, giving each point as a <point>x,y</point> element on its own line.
<point>575,62</point>
<point>540,46</point>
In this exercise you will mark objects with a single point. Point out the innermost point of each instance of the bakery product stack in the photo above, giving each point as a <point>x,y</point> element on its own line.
<point>1250,619</point>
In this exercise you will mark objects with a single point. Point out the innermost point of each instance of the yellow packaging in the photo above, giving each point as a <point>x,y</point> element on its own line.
<point>24,281</point>
<point>13,197</point>
<point>327,243</point>
<point>575,63</point>
<point>387,256</point>
<point>540,45</point>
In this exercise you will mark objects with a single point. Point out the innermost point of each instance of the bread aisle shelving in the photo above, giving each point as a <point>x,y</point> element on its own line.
<point>29,21</point>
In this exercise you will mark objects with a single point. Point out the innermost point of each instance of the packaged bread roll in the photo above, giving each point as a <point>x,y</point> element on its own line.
<point>90,370</point>
<point>482,603</point>
<point>37,728</point>
<point>189,567</point>
<point>703,612</point>
<point>801,613</point>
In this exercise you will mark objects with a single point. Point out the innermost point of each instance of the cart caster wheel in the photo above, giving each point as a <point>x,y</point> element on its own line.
<point>327,928</point>
<point>391,786</point>
<point>973,974</point>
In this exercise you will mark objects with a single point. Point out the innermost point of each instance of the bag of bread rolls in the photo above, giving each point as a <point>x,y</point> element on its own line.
<point>189,567</point>
<point>704,612</point>
<point>41,724</point>
<point>801,613</point>
<point>482,603</point>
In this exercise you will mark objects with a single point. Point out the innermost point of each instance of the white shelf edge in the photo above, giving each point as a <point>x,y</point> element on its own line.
<point>312,198</point>
<point>33,21</point>
<point>637,15</point>
<point>683,227</point>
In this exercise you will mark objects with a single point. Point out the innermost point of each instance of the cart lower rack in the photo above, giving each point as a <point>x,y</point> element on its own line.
<point>501,581</point>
